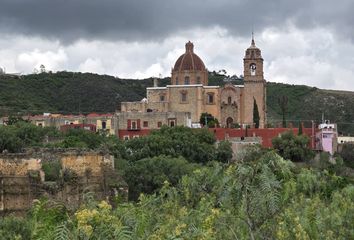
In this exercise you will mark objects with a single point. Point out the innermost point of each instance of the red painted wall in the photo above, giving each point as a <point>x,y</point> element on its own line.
<point>131,133</point>
<point>267,134</point>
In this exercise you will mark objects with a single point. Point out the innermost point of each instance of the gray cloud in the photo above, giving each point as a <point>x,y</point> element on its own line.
<point>144,20</point>
<point>303,41</point>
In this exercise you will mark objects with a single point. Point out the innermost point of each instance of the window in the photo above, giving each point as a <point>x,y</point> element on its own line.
<point>176,80</point>
<point>134,125</point>
<point>145,124</point>
<point>126,137</point>
<point>104,124</point>
<point>198,80</point>
<point>183,97</point>
<point>136,136</point>
<point>159,124</point>
<point>186,80</point>
<point>253,69</point>
<point>172,122</point>
<point>162,98</point>
<point>210,98</point>
<point>229,99</point>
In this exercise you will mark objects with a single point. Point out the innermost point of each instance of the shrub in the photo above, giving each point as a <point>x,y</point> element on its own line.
<point>51,170</point>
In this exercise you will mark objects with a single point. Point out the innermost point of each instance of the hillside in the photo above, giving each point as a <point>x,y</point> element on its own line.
<point>68,92</point>
<point>309,103</point>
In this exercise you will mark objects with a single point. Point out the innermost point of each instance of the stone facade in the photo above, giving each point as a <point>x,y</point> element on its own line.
<point>22,179</point>
<point>130,124</point>
<point>189,93</point>
<point>254,86</point>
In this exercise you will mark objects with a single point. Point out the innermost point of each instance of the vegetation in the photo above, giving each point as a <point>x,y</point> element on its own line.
<point>255,114</point>
<point>305,103</point>
<point>263,198</point>
<point>195,145</point>
<point>206,119</point>
<point>148,175</point>
<point>184,186</point>
<point>347,154</point>
<point>16,137</point>
<point>68,92</point>
<point>292,147</point>
<point>51,170</point>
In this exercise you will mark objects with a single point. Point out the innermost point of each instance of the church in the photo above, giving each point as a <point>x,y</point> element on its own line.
<point>189,95</point>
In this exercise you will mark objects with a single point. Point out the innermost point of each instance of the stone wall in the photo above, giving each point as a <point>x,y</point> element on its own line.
<point>22,178</point>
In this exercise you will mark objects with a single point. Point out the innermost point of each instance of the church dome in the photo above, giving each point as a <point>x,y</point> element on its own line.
<point>189,60</point>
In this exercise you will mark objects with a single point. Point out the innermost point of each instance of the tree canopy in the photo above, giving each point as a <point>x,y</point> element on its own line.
<point>292,147</point>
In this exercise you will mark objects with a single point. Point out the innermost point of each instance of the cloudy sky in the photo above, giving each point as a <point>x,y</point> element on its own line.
<point>302,41</point>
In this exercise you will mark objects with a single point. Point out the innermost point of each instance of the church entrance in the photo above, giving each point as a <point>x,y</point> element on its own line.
<point>229,122</point>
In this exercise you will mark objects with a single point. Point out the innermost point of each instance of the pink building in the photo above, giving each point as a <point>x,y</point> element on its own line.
<point>326,137</point>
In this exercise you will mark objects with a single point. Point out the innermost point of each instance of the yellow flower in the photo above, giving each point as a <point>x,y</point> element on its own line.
<point>87,229</point>
<point>104,205</point>
<point>215,211</point>
<point>179,228</point>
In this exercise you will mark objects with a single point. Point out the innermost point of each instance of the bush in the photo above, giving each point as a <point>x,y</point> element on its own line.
<point>51,170</point>
<point>195,145</point>
<point>347,154</point>
<point>294,148</point>
<point>148,175</point>
<point>224,152</point>
<point>14,228</point>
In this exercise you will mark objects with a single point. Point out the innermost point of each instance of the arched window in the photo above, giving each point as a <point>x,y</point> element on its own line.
<point>229,100</point>
<point>253,69</point>
<point>186,80</point>
<point>176,80</point>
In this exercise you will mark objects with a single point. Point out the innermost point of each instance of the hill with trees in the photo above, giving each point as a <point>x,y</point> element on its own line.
<point>68,92</point>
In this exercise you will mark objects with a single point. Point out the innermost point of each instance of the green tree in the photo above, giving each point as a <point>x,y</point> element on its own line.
<point>300,129</point>
<point>224,152</point>
<point>79,138</point>
<point>294,148</point>
<point>148,175</point>
<point>347,154</point>
<point>206,119</point>
<point>13,119</point>
<point>9,141</point>
<point>283,103</point>
<point>255,114</point>
<point>195,145</point>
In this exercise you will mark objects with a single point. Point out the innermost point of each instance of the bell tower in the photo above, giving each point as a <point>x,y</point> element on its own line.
<point>254,86</point>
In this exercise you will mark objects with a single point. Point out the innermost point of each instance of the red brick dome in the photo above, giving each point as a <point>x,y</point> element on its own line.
<point>189,60</point>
